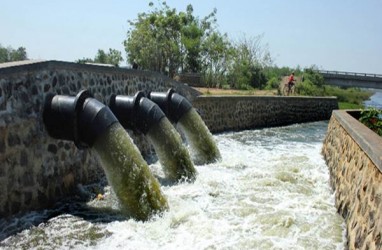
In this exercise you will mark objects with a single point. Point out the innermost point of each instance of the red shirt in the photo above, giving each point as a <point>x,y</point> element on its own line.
<point>291,78</point>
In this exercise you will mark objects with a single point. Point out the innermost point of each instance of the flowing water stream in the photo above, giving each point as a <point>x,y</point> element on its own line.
<point>270,191</point>
<point>172,154</point>
<point>202,146</point>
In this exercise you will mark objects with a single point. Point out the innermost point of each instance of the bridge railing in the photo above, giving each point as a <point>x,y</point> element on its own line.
<point>349,73</point>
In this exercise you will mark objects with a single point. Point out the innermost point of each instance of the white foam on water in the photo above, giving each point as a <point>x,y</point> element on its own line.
<point>270,191</point>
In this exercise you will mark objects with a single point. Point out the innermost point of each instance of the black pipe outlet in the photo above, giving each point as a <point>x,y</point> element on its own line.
<point>136,112</point>
<point>172,104</point>
<point>80,119</point>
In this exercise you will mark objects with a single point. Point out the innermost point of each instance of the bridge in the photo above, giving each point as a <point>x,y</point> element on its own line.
<point>351,79</point>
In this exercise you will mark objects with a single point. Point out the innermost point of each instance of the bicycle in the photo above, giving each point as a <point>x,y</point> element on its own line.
<point>288,89</point>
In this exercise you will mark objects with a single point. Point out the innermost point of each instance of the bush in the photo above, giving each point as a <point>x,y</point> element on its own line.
<point>245,76</point>
<point>312,75</point>
<point>372,118</point>
<point>308,88</point>
<point>314,85</point>
<point>350,95</point>
<point>272,83</point>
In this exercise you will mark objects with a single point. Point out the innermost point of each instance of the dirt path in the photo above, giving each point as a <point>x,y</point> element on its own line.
<point>216,91</point>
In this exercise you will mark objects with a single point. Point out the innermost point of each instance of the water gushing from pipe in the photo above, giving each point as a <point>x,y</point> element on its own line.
<point>142,115</point>
<point>171,152</point>
<point>89,123</point>
<point>129,174</point>
<point>179,110</point>
<point>203,147</point>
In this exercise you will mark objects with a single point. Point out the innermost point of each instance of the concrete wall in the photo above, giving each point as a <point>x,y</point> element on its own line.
<point>354,156</point>
<point>222,113</point>
<point>37,170</point>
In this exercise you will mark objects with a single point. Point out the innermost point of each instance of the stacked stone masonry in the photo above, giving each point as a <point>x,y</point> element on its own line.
<point>356,178</point>
<point>222,113</point>
<point>37,170</point>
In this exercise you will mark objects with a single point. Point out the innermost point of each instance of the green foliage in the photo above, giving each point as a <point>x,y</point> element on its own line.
<point>217,53</point>
<point>350,95</point>
<point>10,55</point>
<point>308,88</point>
<point>274,71</point>
<point>225,86</point>
<point>245,76</point>
<point>249,59</point>
<point>313,84</point>
<point>113,57</point>
<point>347,105</point>
<point>372,118</point>
<point>272,83</point>
<point>167,41</point>
<point>311,74</point>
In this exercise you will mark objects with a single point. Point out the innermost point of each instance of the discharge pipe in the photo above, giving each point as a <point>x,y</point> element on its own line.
<point>179,110</point>
<point>136,112</point>
<point>140,114</point>
<point>89,123</point>
<point>80,119</point>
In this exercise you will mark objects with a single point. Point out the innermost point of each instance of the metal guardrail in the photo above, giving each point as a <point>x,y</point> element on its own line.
<point>349,73</point>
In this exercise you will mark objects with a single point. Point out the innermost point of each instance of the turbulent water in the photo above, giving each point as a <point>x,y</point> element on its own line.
<point>270,191</point>
<point>202,146</point>
<point>172,154</point>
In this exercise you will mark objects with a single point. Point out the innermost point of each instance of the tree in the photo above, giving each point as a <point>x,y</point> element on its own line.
<point>196,37</point>
<point>9,54</point>
<point>153,40</point>
<point>250,58</point>
<point>114,57</point>
<point>217,55</point>
<point>168,41</point>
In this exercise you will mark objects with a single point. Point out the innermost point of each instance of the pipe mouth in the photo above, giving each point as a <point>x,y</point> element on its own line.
<point>136,112</point>
<point>124,108</point>
<point>80,119</point>
<point>173,104</point>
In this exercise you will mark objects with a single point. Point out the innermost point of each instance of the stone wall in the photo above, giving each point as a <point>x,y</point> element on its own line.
<point>191,79</point>
<point>35,169</point>
<point>354,156</point>
<point>222,113</point>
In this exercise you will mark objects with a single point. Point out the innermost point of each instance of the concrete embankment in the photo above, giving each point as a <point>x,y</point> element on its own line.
<point>353,154</point>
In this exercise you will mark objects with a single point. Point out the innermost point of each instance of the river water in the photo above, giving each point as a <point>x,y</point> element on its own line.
<point>270,191</point>
<point>375,100</point>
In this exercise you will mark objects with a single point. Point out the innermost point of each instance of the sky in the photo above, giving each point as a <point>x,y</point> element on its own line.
<point>343,35</point>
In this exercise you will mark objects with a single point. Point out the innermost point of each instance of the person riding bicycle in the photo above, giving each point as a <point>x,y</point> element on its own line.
<point>291,80</point>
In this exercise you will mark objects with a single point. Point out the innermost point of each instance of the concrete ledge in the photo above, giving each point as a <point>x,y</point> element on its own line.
<point>368,141</point>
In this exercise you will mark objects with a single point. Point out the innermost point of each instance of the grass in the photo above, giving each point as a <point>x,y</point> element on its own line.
<point>348,105</point>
